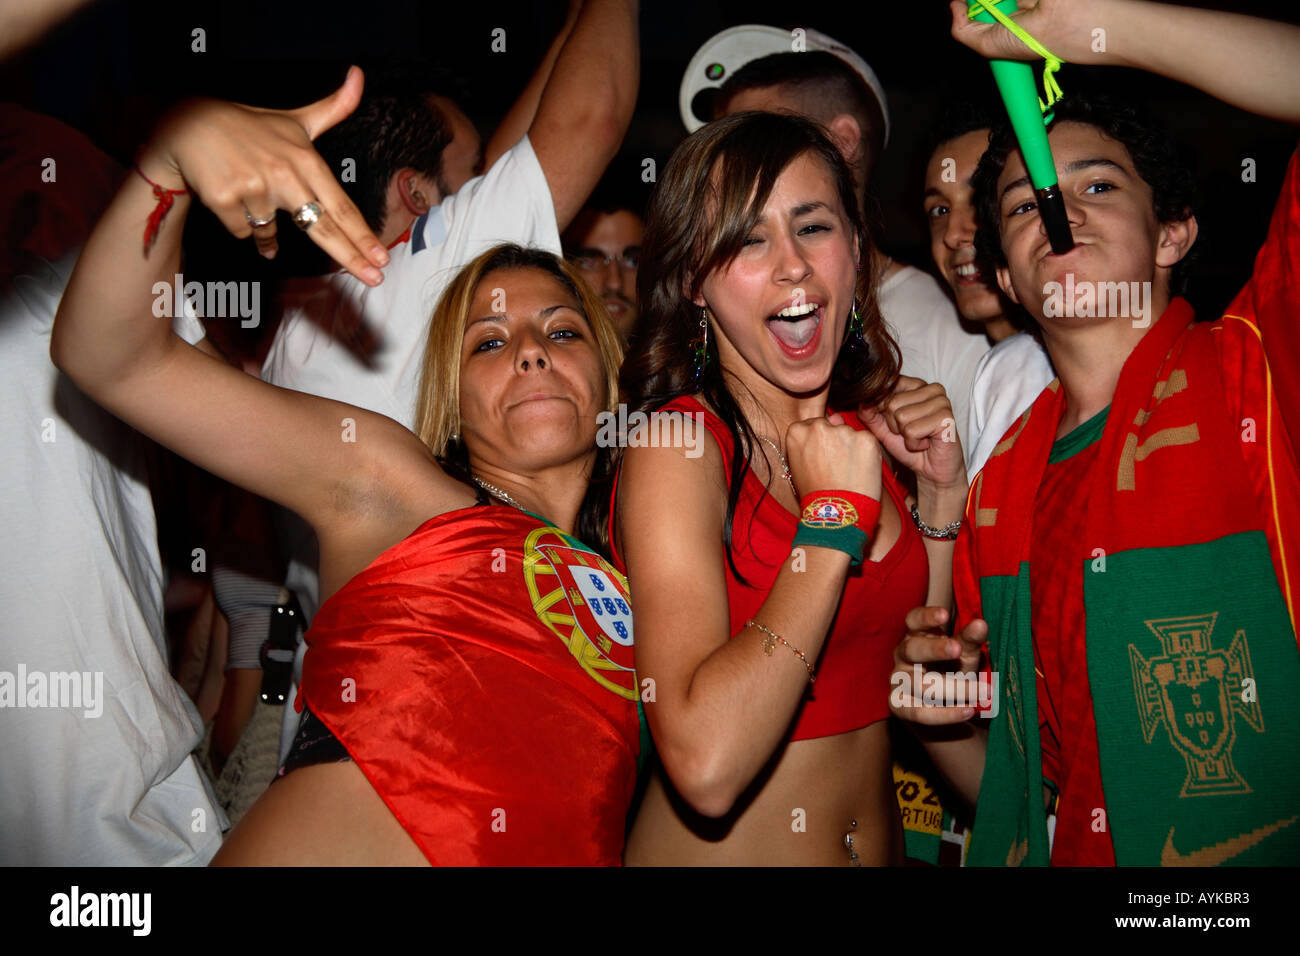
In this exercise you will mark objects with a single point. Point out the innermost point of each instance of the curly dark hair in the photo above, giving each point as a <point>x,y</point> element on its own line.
<point>706,202</point>
<point>1156,157</point>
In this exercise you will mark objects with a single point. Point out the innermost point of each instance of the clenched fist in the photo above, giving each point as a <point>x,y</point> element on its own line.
<point>825,453</point>
<point>917,427</point>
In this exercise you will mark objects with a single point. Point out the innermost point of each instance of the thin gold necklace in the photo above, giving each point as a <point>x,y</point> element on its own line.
<point>785,466</point>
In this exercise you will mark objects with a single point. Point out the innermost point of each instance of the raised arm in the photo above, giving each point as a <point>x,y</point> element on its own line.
<point>916,426</point>
<point>24,22</point>
<point>1248,62</point>
<point>287,446</point>
<point>521,115</point>
<point>722,706</point>
<point>587,103</point>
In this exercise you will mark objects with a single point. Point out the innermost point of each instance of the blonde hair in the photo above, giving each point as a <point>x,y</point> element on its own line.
<point>438,403</point>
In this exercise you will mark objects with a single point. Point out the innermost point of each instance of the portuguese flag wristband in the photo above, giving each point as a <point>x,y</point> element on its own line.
<point>842,520</point>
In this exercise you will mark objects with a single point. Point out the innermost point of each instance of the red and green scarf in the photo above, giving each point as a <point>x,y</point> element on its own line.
<point>1192,661</point>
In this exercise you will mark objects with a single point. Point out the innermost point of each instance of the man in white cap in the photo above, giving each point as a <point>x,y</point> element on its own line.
<point>802,71</point>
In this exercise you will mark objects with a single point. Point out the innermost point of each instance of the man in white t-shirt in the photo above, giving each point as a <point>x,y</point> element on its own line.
<point>836,88</point>
<point>343,340</point>
<point>95,735</point>
<point>361,345</point>
<point>1012,374</point>
<point>365,346</point>
<point>110,781</point>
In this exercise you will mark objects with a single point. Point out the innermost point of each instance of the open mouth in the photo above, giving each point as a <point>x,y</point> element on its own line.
<point>795,328</point>
<point>967,273</point>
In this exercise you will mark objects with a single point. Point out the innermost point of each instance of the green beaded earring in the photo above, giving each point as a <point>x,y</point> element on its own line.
<point>700,345</point>
<point>856,337</point>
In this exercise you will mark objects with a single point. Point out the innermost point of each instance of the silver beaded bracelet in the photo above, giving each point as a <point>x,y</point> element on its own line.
<point>947,533</point>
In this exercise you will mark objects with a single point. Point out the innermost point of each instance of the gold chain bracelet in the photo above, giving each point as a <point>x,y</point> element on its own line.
<point>771,639</point>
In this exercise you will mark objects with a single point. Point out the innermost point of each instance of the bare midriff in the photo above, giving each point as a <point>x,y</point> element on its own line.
<point>796,813</point>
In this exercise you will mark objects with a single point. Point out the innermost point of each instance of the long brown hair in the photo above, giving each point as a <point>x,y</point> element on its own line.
<point>707,201</point>
<point>438,402</point>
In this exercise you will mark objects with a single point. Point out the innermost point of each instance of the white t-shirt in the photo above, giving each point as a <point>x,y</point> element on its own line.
<point>511,202</point>
<point>1009,378</point>
<point>314,349</point>
<point>933,345</point>
<point>81,591</point>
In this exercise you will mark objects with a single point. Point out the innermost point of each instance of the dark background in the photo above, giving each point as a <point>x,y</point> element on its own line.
<point>112,69</point>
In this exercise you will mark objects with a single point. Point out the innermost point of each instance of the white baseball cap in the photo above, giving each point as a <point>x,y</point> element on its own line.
<point>725,53</point>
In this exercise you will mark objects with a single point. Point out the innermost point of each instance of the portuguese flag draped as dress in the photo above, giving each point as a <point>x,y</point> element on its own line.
<point>480,673</point>
<point>1188,582</point>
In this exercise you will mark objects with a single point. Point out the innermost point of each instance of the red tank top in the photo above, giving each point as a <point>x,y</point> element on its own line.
<point>479,672</point>
<point>852,688</point>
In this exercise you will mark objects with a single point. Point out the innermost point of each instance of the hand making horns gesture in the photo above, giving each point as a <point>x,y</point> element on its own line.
<point>245,163</point>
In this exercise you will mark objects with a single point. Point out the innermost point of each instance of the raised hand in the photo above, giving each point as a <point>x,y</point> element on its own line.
<point>1063,26</point>
<point>916,426</point>
<point>244,163</point>
<point>827,454</point>
<point>1239,59</point>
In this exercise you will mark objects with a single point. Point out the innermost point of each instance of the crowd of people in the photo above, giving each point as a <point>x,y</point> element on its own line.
<point>866,534</point>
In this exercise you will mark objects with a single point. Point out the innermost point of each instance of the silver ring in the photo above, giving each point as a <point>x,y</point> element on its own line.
<point>258,223</point>
<point>307,215</point>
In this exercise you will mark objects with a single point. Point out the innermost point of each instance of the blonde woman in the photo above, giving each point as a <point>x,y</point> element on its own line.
<point>468,688</point>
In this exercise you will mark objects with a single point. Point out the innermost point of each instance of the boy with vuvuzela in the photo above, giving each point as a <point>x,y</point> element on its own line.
<point>1131,551</point>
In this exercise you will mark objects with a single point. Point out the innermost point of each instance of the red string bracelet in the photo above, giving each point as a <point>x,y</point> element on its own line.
<point>165,199</point>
